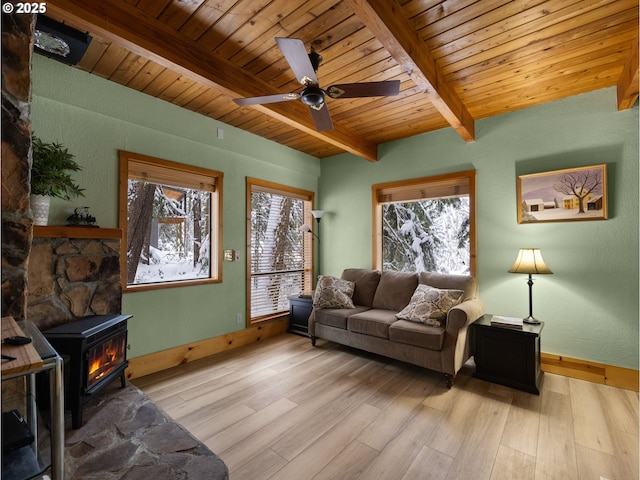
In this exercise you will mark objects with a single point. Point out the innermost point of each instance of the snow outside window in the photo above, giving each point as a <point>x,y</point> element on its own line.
<point>427,235</point>
<point>280,254</point>
<point>170,221</point>
<point>426,224</point>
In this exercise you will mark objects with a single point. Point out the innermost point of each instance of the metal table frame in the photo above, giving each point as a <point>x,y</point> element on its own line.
<point>52,362</point>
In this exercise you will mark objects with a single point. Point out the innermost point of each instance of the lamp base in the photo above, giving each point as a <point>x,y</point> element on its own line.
<point>531,321</point>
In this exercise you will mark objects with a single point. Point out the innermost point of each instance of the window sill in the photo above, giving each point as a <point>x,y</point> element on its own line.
<point>145,287</point>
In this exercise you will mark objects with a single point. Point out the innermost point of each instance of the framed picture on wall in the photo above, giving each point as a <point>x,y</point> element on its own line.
<point>573,194</point>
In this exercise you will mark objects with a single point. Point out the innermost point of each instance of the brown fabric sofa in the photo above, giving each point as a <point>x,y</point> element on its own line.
<point>372,325</point>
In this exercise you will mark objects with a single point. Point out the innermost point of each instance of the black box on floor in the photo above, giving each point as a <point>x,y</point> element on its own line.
<point>15,431</point>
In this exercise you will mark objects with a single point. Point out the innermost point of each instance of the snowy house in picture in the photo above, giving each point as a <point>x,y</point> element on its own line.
<point>533,205</point>
<point>595,203</point>
<point>571,202</point>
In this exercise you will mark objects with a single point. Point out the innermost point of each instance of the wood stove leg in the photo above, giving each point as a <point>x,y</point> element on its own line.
<point>123,380</point>
<point>76,418</point>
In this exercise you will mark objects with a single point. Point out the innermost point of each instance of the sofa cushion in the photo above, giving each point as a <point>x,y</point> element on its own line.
<point>366,283</point>
<point>466,283</point>
<point>336,317</point>
<point>332,292</point>
<point>430,305</point>
<point>394,290</point>
<point>373,322</point>
<point>417,334</point>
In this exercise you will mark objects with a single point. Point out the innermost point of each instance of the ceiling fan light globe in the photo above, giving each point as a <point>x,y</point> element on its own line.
<point>312,96</point>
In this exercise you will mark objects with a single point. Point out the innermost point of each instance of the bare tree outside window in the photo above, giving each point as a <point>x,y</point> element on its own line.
<point>140,210</point>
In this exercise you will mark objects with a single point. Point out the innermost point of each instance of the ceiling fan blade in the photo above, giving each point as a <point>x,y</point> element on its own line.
<point>281,97</point>
<point>298,58</point>
<point>321,117</point>
<point>365,89</point>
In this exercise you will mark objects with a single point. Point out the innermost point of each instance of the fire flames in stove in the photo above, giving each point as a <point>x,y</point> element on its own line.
<point>105,357</point>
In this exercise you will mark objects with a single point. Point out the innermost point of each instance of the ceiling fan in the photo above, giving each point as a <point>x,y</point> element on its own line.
<point>304,66</point>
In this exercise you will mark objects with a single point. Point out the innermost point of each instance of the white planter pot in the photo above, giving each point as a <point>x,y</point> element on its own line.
<point>40,208</point>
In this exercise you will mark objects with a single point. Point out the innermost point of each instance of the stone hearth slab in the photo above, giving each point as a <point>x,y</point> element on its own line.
<point>125,436</point>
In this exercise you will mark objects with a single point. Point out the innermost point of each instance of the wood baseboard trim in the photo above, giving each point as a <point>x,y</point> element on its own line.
<point>158,361</point>
<point>621,377</point>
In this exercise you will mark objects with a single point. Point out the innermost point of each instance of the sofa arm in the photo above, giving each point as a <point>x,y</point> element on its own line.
<point>464,314</point>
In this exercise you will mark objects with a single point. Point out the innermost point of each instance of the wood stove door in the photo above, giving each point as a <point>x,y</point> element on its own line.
<point>104,361</point>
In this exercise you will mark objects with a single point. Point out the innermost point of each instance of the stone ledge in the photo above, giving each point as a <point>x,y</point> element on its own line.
<point>60,231</point>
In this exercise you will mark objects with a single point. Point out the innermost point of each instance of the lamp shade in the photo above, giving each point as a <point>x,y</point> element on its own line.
<point>530,261</point>
<point>305,228</point>
<point>317,214</point>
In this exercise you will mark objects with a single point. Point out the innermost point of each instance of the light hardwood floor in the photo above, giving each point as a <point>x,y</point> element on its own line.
<point>282,409</point>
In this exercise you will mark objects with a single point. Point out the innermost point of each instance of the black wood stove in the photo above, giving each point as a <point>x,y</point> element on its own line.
<point>94,350</point>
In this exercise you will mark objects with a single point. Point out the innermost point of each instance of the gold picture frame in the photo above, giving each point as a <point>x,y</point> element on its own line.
<point>569,195</point>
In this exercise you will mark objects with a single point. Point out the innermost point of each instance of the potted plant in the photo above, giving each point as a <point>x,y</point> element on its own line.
<point>50,177</point>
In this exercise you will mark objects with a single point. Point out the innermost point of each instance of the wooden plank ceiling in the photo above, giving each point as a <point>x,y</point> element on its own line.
<point>458,60</point>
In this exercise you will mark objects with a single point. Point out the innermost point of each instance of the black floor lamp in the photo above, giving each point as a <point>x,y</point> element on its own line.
<point>317,214</point>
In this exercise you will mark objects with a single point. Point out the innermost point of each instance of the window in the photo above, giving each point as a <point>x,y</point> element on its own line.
<point>171,216</point>
<point>279,254</point>
<point>426,224</point>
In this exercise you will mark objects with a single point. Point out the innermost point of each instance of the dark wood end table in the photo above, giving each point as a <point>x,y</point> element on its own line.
<point>508,356</point>
<point>299,310</point>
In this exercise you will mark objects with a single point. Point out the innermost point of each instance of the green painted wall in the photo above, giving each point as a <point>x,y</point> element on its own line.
<point>95,118</point>
<point>590,304</point>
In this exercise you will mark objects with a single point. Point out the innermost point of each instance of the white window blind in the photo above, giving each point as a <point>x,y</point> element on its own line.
<point>420,190</point>
<point>280,255</point>
<point>157,172</point>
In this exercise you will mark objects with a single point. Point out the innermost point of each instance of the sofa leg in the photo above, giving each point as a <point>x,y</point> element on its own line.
<point>449,379</point>
<point>313,341</point>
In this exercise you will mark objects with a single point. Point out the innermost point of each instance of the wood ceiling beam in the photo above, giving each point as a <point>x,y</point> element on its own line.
<point>628,82</point>
<point>124,25</point>
<point>385,19</point>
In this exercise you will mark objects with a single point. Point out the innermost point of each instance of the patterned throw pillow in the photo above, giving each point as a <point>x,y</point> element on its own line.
<point>430,305</point>
<point>332,292</point>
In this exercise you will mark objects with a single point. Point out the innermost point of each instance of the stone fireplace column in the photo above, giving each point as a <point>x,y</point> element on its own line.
<point>17,230</point>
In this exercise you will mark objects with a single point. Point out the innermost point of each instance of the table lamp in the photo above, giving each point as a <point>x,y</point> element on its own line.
<point>530,261</point>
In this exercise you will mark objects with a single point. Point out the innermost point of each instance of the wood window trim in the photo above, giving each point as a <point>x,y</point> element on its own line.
<point>255,184</point>
<point>424,187</point>
<point>188,176</point>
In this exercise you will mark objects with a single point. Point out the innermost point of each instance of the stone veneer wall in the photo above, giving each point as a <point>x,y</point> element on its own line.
<point>71,278</point>
<point>50,281</point>
<point>17,39</point>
